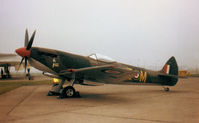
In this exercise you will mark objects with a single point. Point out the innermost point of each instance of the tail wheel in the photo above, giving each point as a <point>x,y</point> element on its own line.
<point>68,91</point>
<point>166,89</point>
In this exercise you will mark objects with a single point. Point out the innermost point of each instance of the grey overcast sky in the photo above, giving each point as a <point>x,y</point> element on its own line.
<point>137,32</point>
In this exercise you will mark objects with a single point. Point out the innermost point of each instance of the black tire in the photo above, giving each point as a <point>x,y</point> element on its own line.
<point>68,91</point>
<point>166,89</point>
<point>29,78</point>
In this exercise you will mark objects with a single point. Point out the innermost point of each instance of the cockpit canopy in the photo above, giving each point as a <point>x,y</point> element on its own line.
<point>100,57</point>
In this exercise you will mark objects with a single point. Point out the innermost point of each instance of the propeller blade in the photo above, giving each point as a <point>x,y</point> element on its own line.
<point>20,63</point>
<point>26,38</point>
<point>31,41</point>
<point>25,63</point>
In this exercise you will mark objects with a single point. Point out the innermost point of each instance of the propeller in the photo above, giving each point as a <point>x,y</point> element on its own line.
<point>24,52</point>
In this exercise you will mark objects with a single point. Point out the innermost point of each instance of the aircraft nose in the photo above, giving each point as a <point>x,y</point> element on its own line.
<point>23,52</point>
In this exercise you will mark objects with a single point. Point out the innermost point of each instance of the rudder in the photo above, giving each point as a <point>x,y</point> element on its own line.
<point>171,67</point>
<point>170,72</point>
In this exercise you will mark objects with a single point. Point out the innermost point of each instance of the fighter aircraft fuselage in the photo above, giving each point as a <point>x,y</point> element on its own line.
<point>56,62</point>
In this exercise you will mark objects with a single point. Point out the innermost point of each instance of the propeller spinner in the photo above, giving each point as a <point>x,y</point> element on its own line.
<point>24,52</point>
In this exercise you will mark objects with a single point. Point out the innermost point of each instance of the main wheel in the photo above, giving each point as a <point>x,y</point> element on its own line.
<point>68,91</point>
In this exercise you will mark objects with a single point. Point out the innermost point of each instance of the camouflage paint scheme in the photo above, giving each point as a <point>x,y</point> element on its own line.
<point>63,64</point>
<point>76,69</point>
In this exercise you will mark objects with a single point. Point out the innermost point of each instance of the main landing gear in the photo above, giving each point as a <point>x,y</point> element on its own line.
<point>69,92</point>
<point>64,92</point>
<point>166,89</point>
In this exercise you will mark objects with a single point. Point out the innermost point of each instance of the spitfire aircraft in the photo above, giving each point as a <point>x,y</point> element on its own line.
<point>76,68</point>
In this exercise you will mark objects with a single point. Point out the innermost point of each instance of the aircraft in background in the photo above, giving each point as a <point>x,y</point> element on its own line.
<point>76,68</point>
<point>11,60</point>
<point>6,61</point>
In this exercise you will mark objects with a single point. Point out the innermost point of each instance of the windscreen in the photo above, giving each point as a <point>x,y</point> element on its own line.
<point>101,57</point>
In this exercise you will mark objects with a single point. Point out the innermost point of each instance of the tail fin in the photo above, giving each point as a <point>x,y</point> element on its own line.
<point>171,67</point>
<point>170,70</point>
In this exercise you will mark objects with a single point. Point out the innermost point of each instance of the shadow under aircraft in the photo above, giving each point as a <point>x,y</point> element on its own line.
<point>97,68</point>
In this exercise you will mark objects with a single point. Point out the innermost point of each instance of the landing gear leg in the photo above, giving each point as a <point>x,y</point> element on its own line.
<point>69,91</point>
<point>166,89</point>
<point>28,74</point>
<point>66,92</point>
